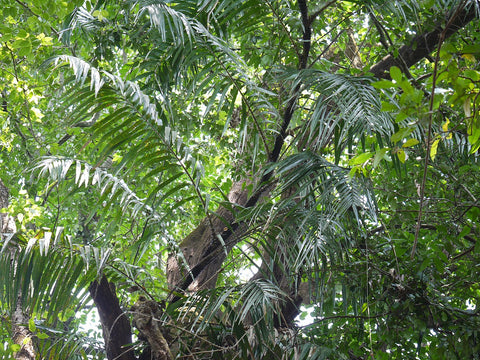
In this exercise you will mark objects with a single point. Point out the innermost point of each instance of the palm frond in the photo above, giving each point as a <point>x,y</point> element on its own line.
<point>205,54</point>
<point>72,345</point>
<point>79,18</point>
<point>129,120</point>
<point>172,25</point>
<point>81,69</point>
<point>245,312</point>
<point>320,212</point>
<point>46,283</point>
<point>342,108</point>
<point>329,186</point>
<point>111,187</point>
<point>51,285</point>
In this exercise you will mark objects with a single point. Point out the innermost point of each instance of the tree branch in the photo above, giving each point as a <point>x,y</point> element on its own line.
<point>147,320</point>
<point>424,44</point>
<point>290,108</point>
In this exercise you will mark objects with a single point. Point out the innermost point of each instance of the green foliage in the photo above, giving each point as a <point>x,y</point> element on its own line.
<point>124,125</point>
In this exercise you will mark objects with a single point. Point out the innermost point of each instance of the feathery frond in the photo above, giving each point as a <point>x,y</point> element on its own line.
<point>60,288</point>
<point>127,117</point>
<point>344,109</point>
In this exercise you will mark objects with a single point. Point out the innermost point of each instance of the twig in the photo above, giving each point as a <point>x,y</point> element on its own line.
<point>429,130</point>
<point>284,27</point>
<point>35,14</point>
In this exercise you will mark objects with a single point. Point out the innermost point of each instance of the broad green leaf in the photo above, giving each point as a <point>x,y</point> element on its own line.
<point>396,74</point>
<point>469,57</point>
<point>474,138</point>
<point>410,142</point>
<point>383,84</point>
<point>42,335</point>
<point>401,116</point>
<point>380,154</point>
<point>471,49</point>
<point>364,307</point>
<point>387,106</point>
<point>465,231</point>
<point>445,129</point>
<point>472,74</point>
<point>31,325</point>
<point>15,347</point>
<point>360,159</point>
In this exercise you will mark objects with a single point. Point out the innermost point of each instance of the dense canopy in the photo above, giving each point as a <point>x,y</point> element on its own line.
<point>239,179</point>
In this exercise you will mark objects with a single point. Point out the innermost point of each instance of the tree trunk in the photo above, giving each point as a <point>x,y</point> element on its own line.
<point>117,331</point>
<point>201,249</point>
<point>21,335</point>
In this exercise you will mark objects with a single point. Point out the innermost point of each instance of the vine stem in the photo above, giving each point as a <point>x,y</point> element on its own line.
<point>429,130</point>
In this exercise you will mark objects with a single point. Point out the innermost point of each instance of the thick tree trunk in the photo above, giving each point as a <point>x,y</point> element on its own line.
<point>117,331</point>
<point>203,251</point>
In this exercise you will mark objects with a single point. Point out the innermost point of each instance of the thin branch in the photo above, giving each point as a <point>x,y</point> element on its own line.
<point>381,31</point>
<point>81,124</point>
<point>321,10</point>
<point>137,284</point>
<point>284,27</point>
<point>250,110</point>
<point>466,252</point>
<point>429,130</point>
<point>25,97</point>
<point>289,110</point>
<point>36,15</point>
<point>365,317</point>
<point>475,200</point>
<point>334,40</point>
<point>470,239</point>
